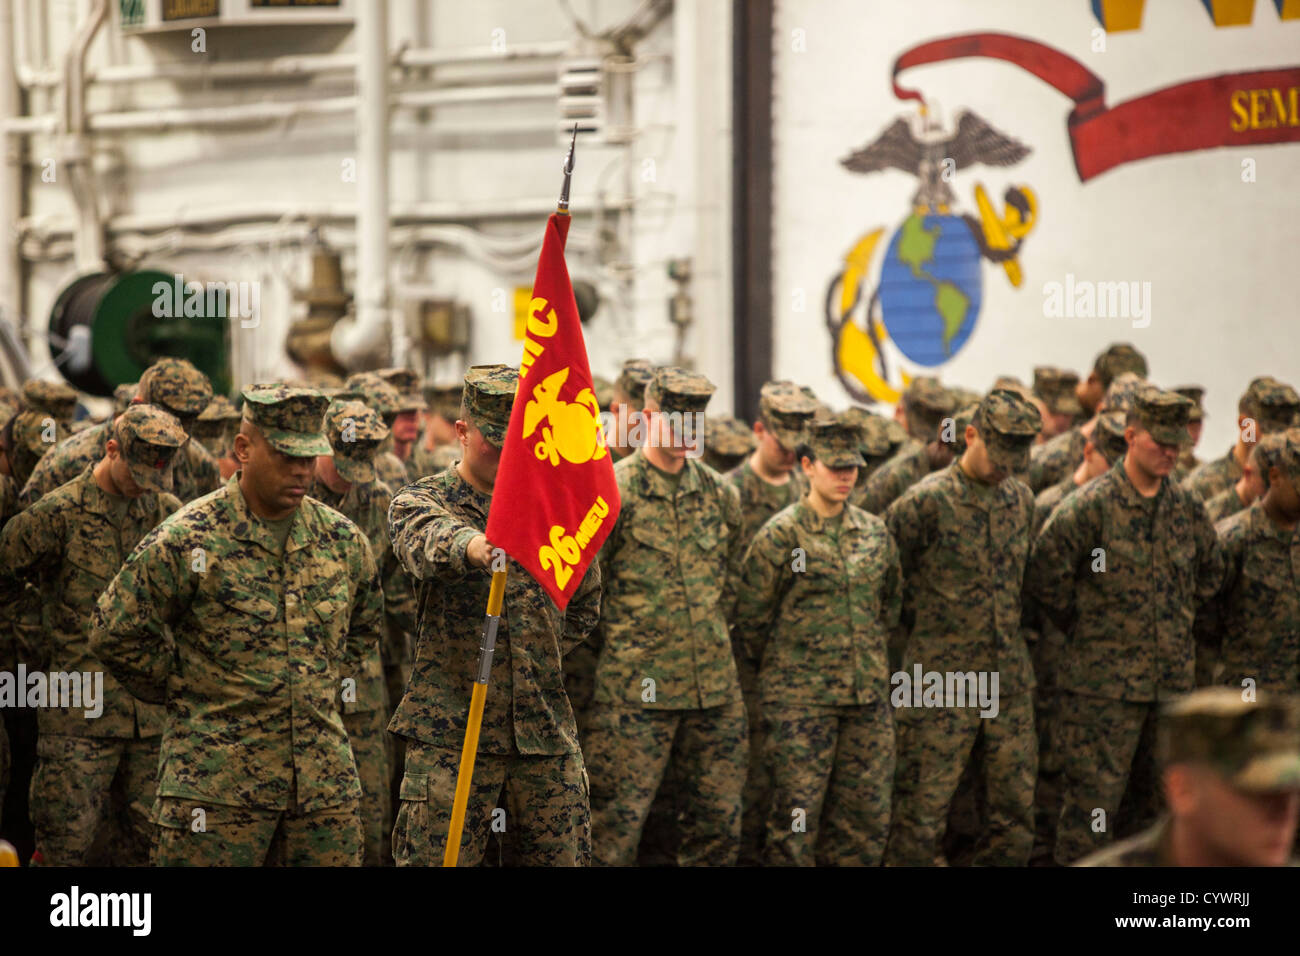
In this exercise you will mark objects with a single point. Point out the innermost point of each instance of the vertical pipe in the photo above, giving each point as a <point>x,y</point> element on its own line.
<point>372,173</point>
<point>11,273</point>
<point>751,199</point>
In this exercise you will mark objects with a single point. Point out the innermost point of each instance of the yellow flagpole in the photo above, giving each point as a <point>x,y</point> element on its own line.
<point>465,775</point>
<point>478,697</point>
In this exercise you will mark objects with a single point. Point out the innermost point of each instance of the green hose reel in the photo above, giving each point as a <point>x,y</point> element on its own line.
<point>131,319</point>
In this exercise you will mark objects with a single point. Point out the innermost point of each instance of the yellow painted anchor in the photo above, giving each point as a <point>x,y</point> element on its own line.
<point>1002,232</point>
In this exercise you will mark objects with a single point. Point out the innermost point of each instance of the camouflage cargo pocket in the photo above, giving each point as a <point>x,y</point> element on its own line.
<point>411,837</point>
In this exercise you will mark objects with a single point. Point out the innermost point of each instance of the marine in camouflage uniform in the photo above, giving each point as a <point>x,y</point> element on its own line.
<point>625,409</point>
<point>1256,614</point>
<point>93,769</point>
<point>1267,406</point>
<point>529,764</point>
<point>927,406</point>
<point>818,595</point>
<point>1187,460</point>
<point>1104,448</point>
<point>215,429</point>
<point>372,390</point>
<point>1058,390</point>
<point>881,439</point>
<point>963,538</point>
<point>784,411</point>
<point>728,441</point>
<point>398,647</point>
<point>667,700</point>
<point>437,448</point>
<point>1236,763</point>
<point>40,426</point>
<point>1122,573</point>
<point>627,403</point>
<point>271,616</point>
<point>346,482</point>
<point>411,406</point>
<point>1056,458</point>
<point>174,385</point>
<point>1253,482</point>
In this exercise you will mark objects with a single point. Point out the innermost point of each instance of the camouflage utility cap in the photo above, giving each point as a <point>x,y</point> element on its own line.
<point>1273,404</point>
<point>633,379</point>
<point>679,390</point>
<point>961,397</point>
<point>56,399</point>
<point>1255,745</point>
<point>1163,414</point>
<point>1008,423</point>
<point>836,442</point>
<point>1117,359</point>
<point>444,400</point>
<point>290,418</point>
<point>1268,452</point>
<point>896,432</point>
<point>149,437</point>
<point>1121,392</point>
<point>122,396</point>
<point>1108,436</point>
<point>876,440</point>
<point>355,432</point>
<point>10,399</point>
<point>176,385</point>
<point>785,409</point>
<point>409,386</point>
<point>725,435</point>
<point>1055,386</point>
<point>369,388</point>
<point>220,409</point>
<point>1289,459</point>
<point>928,394</point>
<point>30,432</point>
<point>488,397</point>
<point>1197,394</point>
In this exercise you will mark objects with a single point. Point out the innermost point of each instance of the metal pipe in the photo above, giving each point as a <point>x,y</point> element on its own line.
<point>11,267</point>
<point>277,111</point>
<point>50,228</point>
<point>309,64</point>
<point>78,163</point>
<point>370,333</point>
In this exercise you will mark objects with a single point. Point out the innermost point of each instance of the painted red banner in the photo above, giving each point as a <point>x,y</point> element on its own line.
<point>1232,109</point>
<point>555,498</point>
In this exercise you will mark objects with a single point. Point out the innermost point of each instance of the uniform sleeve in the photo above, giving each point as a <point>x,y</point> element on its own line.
<point>365,623</point>
<point>891,592</point>
<point>583,610</point>
<point>1208,627</point>
<point>908,522</point>
<point>31,548</point>
<point>30,545</point>
<point>1209,557</point>
<point>1054,555</point>
<point>760,586</point>
<point>732,518</point>
<point>129,625</point>
<point>878,493</point>
<point>428,540</point>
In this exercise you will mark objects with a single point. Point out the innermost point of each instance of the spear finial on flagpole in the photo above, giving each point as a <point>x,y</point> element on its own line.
<point>563,207</point>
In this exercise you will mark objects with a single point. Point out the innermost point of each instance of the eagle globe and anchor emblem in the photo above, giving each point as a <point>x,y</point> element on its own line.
<point>927,297</point>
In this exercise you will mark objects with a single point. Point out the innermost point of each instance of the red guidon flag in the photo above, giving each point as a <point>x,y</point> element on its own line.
<point>555,498</point>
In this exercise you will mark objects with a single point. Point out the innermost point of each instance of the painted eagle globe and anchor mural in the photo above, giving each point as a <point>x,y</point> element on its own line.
<point>928,288</point>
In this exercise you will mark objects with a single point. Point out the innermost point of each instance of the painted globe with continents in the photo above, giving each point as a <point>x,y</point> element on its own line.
<point>930,287</point>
